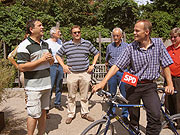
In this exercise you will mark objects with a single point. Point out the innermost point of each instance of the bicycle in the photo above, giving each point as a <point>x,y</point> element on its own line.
<point>104,126</point>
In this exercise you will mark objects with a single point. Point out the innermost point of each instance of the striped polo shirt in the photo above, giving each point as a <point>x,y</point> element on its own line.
<point>39,78</point>
<point>77,55</point>
<point>145,63</point>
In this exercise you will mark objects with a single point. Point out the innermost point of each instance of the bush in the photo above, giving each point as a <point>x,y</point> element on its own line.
<point>7,76</point>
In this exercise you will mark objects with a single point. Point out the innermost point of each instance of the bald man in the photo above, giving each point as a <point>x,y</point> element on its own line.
<point>112,52</point>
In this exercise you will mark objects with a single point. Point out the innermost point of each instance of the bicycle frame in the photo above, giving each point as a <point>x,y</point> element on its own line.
<point>111,115</point>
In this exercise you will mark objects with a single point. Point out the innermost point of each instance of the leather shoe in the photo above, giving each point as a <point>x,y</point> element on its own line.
<point>69,120</point>
<point>59,107</point>
<point>89,118</point>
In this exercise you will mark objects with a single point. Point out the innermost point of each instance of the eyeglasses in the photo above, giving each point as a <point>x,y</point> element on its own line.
<point>78,32</point>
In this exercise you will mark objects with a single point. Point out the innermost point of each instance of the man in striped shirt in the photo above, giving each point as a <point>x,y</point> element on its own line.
<point>144,57</point>
<point>78,71</point>
<point>34,60</point>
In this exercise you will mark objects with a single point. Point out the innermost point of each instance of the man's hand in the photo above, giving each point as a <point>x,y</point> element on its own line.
<point>90,69</point>
<point>66,69</point>
<point>47,57</point>
<point>169,90</point>
<point>98,86</point>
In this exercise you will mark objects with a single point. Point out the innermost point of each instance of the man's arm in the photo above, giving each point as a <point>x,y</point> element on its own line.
<point>101,85</point>
<point>167,74</point>
<point>61,62</point>
<point>93,63</point>
<point>47,57</point>
<point>11,57</point>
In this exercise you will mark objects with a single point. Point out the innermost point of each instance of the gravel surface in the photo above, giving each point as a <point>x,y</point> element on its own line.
<point>15,116</point>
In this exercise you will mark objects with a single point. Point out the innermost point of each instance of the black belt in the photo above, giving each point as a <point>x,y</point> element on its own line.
<point>145,81</point>
<point>175,76</point>
<point>57,64</point>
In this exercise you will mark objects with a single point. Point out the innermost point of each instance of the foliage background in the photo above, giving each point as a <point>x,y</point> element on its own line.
<point>93,16</point>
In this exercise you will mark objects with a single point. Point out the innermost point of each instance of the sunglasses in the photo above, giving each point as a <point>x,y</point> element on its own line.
<point>78,32</point>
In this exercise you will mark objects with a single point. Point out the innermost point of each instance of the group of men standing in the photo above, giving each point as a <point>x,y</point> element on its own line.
<point>43,66</point>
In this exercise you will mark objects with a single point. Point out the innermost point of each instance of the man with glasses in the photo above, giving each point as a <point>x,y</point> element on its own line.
<point>78,71</point>
<point>172,101</point>
<point>56,70</point>
<point>112,52</point>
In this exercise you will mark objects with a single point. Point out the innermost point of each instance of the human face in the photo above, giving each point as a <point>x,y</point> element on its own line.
<point>139,32</point>
<point>38,29</point>
<point>117,36</point>
<point>57,34</point>
<point>76,34</point>
<point>175,39</point>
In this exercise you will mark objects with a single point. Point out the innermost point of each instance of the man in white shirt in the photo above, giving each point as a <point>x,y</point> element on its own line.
<point>56,71</point>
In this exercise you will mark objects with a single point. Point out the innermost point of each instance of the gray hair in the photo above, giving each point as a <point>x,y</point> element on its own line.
<point>117,29</point>
<point>175,31</point>
<point>52,31</point>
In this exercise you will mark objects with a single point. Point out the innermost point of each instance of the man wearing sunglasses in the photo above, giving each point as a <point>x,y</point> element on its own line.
<point>78,71</point>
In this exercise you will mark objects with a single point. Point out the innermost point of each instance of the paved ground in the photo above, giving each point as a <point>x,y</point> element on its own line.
<point>15,116</point>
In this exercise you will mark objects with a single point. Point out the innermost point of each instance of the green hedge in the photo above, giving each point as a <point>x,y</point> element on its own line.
<point>7,76</point>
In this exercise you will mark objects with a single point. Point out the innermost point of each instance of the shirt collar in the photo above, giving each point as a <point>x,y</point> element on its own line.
<point>137,45</point>
<point>32,41</point>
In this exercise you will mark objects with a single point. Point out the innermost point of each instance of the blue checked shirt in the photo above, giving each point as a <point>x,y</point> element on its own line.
<point>113,52</point>
<point>145,63</point>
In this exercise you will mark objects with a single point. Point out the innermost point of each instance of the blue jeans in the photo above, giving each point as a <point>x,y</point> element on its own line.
<point>113,83</point>
<point>56,72</point>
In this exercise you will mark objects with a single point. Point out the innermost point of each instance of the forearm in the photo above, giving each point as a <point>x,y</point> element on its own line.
<point>29,65</point>
<point>60,60</point>
<point>110,73</point>
<point>167,75</point>
<point>95,59</point>
<point>13,61</point>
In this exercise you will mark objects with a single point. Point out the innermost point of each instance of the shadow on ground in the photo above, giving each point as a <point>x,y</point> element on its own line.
<point>13,126</point>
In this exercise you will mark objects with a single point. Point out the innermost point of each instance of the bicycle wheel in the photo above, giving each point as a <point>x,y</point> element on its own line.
<point>98,128</point>
<point>166,130</point>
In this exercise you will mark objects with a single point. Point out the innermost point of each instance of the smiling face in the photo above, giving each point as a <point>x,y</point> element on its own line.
<point>139,32</point>
<point>175,39</point>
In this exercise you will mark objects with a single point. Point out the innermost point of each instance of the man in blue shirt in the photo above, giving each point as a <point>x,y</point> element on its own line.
<point>78,71</point>
<point>144,57</point>
<point>112,52</point>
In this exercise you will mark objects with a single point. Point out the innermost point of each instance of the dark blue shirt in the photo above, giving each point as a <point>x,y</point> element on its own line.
<point>113,52</point>
<point>145,63</point>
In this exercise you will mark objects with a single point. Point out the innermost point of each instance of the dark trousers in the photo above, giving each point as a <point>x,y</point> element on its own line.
<point>173,101</point>
<point>146,92</point>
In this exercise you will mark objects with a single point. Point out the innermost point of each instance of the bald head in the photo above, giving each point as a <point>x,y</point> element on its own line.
<point>117,35</point>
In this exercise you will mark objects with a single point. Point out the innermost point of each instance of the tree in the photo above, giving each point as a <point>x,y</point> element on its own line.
<point>118,13</point>
<point>164,15</point>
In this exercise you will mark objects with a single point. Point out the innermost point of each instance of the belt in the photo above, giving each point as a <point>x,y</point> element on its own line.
<point>145,81</point>
<point>175,76</point>
<point>57,64</point>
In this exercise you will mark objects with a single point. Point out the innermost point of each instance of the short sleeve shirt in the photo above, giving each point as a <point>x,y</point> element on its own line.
<point>77,55</point>
<point>39,78</point>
